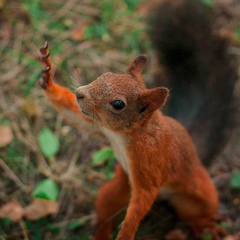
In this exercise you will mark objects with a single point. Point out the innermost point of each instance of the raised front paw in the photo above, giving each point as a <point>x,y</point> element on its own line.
<point>46,76</point>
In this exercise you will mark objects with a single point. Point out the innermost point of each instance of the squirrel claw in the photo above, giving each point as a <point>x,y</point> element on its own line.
<point>217,232</point>
<point>44,58</point>
<point>45,78</point>
<point>44,50</point>
<point>43,83</point>
<point>46,70</point>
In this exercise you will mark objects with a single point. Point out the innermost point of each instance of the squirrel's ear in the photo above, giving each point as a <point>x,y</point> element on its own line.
<point>153,99</point>
<point>136,66</point>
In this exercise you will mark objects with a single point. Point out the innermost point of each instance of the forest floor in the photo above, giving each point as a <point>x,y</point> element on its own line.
<point>85,40</point>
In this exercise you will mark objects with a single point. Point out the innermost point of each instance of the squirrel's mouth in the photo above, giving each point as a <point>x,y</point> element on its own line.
<point>81,106</point>
<point>87,110</point>
<point>88,115</point>
<point>85,113</point>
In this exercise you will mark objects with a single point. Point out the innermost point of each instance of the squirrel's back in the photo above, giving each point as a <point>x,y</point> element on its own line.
<point>201,72</point>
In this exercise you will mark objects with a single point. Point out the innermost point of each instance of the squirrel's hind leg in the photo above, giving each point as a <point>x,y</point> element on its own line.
<point>199,214</point>
<point>112,198</point>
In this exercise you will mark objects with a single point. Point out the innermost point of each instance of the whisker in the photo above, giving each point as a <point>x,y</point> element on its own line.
<point>85,78</point>
<point>76,78</point>
<point>72,74</point>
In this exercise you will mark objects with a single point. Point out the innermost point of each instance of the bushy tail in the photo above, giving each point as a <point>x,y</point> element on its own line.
<point>201,72</point>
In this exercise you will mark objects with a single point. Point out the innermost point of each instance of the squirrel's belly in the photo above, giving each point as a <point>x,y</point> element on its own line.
<point>118,144</point>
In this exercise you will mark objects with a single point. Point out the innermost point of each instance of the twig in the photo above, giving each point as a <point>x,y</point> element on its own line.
<point>24,230</point>
<point>67,7</point>
<point>71,167</point>
<point>12,73</point>
<point>11,174</point>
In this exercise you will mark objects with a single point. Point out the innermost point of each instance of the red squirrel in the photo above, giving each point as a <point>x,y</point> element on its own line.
<point>155,153</point>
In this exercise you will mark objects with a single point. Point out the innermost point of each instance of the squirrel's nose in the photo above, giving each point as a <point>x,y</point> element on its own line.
<point>80,95</point>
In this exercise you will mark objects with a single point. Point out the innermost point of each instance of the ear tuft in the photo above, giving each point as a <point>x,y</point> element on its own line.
<point>140,60</point>
<point>136,66</point>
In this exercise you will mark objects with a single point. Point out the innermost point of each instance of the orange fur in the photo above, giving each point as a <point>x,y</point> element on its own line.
<point>155,152</point>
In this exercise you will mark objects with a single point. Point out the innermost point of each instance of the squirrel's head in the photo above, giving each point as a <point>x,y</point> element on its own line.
<point>121,101</point>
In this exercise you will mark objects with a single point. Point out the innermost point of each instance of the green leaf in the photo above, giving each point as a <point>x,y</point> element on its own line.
<point>238,31</point>
<point>107,10</point>
<point>48,142</point>
<point>206,236</point>
<point>46,189</point>
<point>57,49</point>
<point>132,4</point>
<point>209,3</point>
<point>75,224</point>
<point>6,222</point>
<point>101,156</point>
<point>109,168</point>
<point>223,224</point>
<point>53,228</point>
<point>36,12</point>
<point>4,122</point>
<point>97,31</point>
<point>235,181</point>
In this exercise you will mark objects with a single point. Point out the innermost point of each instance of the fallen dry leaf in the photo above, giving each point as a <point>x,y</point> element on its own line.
<point>6,135</point>
<point>231,237</point>
<point>12,210</point>
<point>176,234</point>
<point>40,208</point>
<point>79,32</point>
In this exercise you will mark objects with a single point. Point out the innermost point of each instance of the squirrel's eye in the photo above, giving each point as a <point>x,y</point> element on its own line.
<point>118,104</point>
